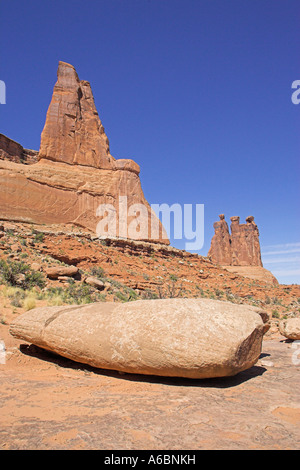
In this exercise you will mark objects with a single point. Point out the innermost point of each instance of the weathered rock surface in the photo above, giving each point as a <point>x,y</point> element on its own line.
<point>240,248</point>
<point>14,152</point>
<point>94,282</point>
<point>57,271</point>
<point>245,247</point>
<point>75,173</point>
<point>254,272</point>
<point>220,250</point>
<point>239,251</point>
<point>195,338</point>
<point>290,328</point>
<point>73,132</point>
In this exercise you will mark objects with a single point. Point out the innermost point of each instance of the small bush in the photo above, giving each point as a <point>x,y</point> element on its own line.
<point>15,295</point>
<point>275,314</point>
<point>57,301</point>
<point>38,237</point>
<point>97,272</point>
<point>15,273</point>
<point>29,303</point>
<point>120,296</point>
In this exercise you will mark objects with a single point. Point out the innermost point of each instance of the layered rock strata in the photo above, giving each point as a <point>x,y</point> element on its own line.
<point>14,152</point>
<point>75,173</point>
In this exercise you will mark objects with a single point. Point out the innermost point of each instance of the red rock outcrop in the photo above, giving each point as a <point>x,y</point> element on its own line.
<point>240,248</point>
<point>245,247</point>
<point>14,152</point>
<point>220,250</point>
<point>75,173</point>
<point>239,251</point>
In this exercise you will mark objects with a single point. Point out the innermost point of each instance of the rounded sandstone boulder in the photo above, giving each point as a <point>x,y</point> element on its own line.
<point>57,271</point>
<point>290,328</point>
<point>194,338</point>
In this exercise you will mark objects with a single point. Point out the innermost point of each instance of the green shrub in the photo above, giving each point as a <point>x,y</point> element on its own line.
<point>120,296</point>
<point>38,236</point>
<point>97,272</point>
<point>15,295</point>
<point>29,303</point>
<point>15,273</point>
<point>275,314</point>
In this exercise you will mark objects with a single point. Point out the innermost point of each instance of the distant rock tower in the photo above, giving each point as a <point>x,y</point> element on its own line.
<point>240,248</point>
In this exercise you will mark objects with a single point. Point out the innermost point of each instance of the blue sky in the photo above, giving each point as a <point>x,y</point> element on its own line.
<point>197,92</point>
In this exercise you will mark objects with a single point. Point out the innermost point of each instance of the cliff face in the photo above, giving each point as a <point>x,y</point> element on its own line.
<point>240,248</point>
<point>74,173</point>
<point>14,152</point>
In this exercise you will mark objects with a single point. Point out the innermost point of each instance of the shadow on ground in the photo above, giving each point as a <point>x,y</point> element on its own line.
<point>221,382</point>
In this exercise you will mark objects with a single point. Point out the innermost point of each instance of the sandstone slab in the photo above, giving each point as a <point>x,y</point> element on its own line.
<point>194,338</point>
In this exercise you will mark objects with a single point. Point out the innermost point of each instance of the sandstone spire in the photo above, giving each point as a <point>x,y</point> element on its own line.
<point>73,132</point>
<point>220,250</point>
<point>245,243</point>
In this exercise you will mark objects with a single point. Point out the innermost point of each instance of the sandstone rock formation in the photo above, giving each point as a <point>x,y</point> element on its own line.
<point>245,247</point>
<point>14,152</point>
<point>57,271</point>
<point>290,328</point>
<point>195,338</point>
<point>73,132</point>
<point>241,248</point>
<point>239,251</point>
<point>75,173</point>
<point>220,250</point>
<point>257,273</point>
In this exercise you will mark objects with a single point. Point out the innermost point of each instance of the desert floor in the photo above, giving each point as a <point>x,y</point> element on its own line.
<point>48,402</point>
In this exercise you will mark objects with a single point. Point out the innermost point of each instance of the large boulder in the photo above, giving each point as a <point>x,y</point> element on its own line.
<point>290,328</point>
<point>194,338</point>
<point>57,271</point>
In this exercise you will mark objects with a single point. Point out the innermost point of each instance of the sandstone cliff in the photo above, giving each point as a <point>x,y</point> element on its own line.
<point>75,172</point>
<point>14,152</point>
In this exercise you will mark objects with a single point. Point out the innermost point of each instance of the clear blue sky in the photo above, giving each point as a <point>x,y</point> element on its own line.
<point>197,92</point>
